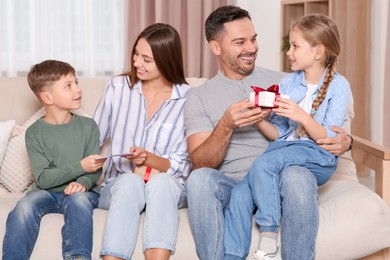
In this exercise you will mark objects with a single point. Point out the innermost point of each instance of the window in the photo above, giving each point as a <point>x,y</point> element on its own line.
<point>88,34</point>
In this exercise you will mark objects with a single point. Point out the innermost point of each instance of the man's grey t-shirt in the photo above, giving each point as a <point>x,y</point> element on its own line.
<point>206,105</point>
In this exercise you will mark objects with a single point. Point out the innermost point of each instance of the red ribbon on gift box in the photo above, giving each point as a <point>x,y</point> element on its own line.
<point>273,88</point>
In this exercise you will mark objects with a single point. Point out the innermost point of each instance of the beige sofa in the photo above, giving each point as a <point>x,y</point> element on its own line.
<point>354,221</point>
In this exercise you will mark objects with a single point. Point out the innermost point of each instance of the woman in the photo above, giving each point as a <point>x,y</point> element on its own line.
<point>141,112</point>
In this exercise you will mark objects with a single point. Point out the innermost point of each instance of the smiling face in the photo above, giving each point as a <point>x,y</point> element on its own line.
<point>301,54</point>
<point>236,48</point>
<point>144,61</point>
<point>63,94</point>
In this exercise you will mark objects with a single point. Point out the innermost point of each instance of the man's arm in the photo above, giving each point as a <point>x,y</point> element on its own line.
<point>208,149</point>
<point>336,145</point>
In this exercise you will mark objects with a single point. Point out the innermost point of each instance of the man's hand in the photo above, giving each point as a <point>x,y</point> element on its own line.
<point>74,187</point>
<point>242,113</point>
<point>337,145</point>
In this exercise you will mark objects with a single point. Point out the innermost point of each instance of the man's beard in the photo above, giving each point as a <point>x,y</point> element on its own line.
<point>235,66</point>
<point>243,71</point>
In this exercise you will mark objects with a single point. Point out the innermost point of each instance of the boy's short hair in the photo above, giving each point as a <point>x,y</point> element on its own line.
<point>44,74</point>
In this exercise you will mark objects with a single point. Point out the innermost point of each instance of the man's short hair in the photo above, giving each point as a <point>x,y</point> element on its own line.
<point>216,20</point>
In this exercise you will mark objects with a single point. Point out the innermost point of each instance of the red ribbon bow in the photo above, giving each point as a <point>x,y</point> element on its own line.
<point>273,88</point>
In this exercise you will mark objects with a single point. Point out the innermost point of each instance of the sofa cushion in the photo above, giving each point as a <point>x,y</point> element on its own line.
<point>15,173</point>
<point>354,221</point>
<point>5,134</point>
<point>50,233</point>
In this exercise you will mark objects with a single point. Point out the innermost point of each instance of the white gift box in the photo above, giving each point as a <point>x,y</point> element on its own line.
<point>265,98</point>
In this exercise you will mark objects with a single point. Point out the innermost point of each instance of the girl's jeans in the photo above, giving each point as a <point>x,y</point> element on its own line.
<point>295,190</point>
<point>125,198</point>
<point>264,176</point>
<point>24,220</point>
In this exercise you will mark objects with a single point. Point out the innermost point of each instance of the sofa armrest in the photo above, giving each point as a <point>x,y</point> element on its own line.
<point>377,158</point>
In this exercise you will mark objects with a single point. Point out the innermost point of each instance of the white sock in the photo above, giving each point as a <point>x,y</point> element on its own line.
<point>268,242</point>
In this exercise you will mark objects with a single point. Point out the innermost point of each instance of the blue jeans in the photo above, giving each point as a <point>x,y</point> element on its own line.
<point>208,195</point>
<point>264,176</point>
<point>209,192</point>
<point>125,198</point>
<point>24,220</point>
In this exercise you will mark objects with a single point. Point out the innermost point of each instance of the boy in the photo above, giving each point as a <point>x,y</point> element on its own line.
<point>62,148</point>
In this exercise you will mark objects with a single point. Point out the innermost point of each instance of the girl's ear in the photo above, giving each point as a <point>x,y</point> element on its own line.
<point>320,52</point>
<point>46,98</point>
<point>215,47</point>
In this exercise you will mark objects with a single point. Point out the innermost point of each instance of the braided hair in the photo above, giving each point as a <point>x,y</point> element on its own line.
<point>318,29</point>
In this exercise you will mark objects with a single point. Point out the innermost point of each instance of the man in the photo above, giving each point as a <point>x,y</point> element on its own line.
<point>223,141</point>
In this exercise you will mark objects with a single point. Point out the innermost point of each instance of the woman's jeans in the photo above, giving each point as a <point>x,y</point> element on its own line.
<point>209,191</point>
<point>24,220</point>
<point>125,198</point>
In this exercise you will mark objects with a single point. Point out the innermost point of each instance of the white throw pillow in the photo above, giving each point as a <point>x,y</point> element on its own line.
<point>16,174</point>
<point>354,221</point>
<point>5,134</point>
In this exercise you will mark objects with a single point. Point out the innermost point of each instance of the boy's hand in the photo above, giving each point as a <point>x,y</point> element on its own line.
<point>92,163</point>
<point>74,187</point>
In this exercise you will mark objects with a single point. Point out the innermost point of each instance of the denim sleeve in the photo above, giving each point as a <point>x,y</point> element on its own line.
<point>280,122</point>
<point>337,108</point>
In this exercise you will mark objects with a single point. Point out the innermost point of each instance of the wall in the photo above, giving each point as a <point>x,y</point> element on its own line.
<point>266,13</point>
<point>378,50</point>
<point>266,19</point>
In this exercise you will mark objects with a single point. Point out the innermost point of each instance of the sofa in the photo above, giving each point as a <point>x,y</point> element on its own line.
<point>354,220</point>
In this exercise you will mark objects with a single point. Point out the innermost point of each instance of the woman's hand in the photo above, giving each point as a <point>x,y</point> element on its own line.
<point>139,155</point>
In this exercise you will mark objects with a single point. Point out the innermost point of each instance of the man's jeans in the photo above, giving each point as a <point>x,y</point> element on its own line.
<point>24,220</point>
<point>208,194</point>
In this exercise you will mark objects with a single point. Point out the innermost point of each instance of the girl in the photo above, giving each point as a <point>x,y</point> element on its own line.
<point>319,98</point>
<point>141,112</point>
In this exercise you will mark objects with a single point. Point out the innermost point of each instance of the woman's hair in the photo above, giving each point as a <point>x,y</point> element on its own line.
<point>318,29</point>
<point>47,72</point>
<point>217,19</point>
<point>165,43</point>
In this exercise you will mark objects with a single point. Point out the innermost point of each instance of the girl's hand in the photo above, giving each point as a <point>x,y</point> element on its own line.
<point>290,109</point>
<point>92,163</point>
<point>265,112</point>
<point>139,155</point>
<point>74,187</point>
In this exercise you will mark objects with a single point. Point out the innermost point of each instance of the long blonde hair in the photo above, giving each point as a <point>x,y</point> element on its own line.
<point>318,29</point>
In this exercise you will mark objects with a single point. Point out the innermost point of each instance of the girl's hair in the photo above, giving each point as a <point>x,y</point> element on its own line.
<point>165,43</point>
<point>318,29</point>
<point>47,72</point>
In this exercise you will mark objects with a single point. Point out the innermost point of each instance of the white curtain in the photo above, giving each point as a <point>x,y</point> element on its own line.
<point>386,94</point>
<point>89,34</point>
